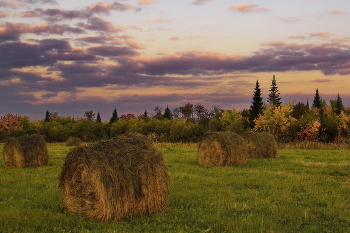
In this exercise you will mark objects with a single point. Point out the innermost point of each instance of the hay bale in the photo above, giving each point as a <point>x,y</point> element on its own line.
<point>25,151</point>
<point>260,144</point>
<point>115,179</point>
<point>222,149</point>
<point>73,141</point>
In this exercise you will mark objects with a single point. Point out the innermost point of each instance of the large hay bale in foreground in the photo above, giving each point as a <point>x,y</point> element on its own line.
<point>115,179</point>
<point>260,144</point>
<point>25,151</point>
<point>222,149</point>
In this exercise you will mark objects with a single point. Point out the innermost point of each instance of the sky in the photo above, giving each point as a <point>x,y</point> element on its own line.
<point>134,55</point>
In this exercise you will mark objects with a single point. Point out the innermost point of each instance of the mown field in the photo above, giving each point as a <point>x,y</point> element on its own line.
<point>300,191</point>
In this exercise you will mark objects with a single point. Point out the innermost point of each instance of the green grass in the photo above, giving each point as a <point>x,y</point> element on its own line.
<point>300,191</point>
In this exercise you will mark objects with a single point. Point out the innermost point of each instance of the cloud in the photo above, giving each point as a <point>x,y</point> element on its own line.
<point>54,14</point>
<point>106,8</point>
<point>103,38</point>
<point>158,20</point>
<point>297,37</point>
<point>10,4</point>
<point>98,24</point>
<point>12,31</point>
<point>276,57</point>
<point>175,38</point>
<point>4,14</point>
<point>288,19</point>
<point>337,12</point>
<point>112,51</point>
<point>320,34</point>
<point>200,2</point>
<point>248,8</point>
<point>146,2</point>
<point>322,80</point>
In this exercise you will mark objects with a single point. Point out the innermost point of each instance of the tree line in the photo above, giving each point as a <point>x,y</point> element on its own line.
<point>288,122</point>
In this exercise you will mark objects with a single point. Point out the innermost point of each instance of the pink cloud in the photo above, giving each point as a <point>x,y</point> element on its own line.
<point>200,2</point>
<point>248,8</point>
<point>320,34</point>
<point>297,37</point>
<point>322,80</point>
<point>146,2</point>
<point>4,14</point>
<point>175,38</point>
<point>158,20</point>
<point>337,12</point>
<point>10,4</point>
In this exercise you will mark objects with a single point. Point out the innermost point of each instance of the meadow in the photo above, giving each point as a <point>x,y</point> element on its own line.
<point>300,191</point>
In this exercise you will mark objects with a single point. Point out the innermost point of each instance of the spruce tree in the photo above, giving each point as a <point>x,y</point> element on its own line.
<point>98,118</point>
<point>274,94</point>
<point>47,116</point>
<point>339,106</point>
<point>167,113</point>
<point>317,100</point>
<point>114,117</point>
<point>257,105</point>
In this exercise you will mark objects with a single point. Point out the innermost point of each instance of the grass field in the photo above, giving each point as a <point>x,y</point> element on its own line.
<point>300,191</point>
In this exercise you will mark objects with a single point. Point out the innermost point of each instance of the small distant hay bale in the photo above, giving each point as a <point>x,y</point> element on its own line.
<point>260,144</point>
<point>222,149</point>
<point>115,179</point>
<point>25,151</point>
<point>73,141</point>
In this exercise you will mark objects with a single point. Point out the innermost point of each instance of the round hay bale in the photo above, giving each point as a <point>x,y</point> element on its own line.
<point>260,144</point>
<point>222,149</point>
<point>73,141</point>
<point>25,151</point>
<point>115,179</point>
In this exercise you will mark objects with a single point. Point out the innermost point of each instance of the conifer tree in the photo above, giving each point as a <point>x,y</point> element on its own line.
<point>167,113</point>
<point>114,117</point>
<point>274,98</point>
<point>47,116</point>
<point>257,105</point>
<point>339,106</point>
<point>98,118</point>
<point>317,100</point>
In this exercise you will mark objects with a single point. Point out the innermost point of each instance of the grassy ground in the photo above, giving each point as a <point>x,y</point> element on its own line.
<point>300,191</point>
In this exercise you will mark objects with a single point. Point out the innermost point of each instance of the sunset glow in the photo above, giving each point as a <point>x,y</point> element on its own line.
<point>133,55</point>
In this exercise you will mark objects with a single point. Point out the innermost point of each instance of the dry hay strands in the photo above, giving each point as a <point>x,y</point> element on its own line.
<point>115,179</point>
<point>25,151</point>
<point>222,149</point>
<point>260,144</point>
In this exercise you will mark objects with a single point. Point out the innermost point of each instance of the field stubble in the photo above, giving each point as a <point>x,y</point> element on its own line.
<point>300,191</point>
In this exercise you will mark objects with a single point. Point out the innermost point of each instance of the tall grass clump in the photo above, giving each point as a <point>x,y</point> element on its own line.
<point>25,151</point>
<point>260,144</point>
<point>74,141</point>
<point>115,179</point>
<point>222,149</point>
